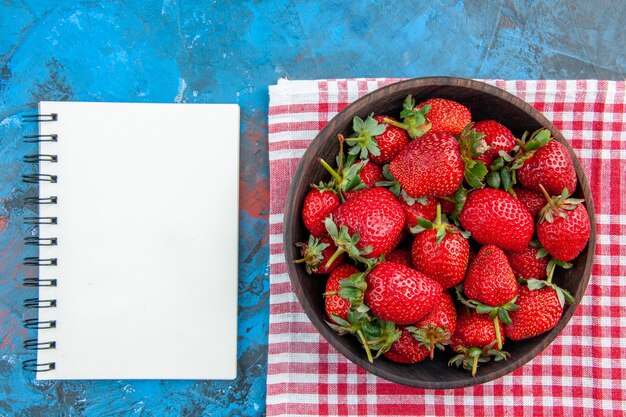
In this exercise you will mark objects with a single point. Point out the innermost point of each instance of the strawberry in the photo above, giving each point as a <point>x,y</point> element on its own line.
<point>413,119</point>
<point>437,327</point>
<point>344,306</point>
<point>376,140</point>
<point>422,208</point>
<point>334,303</point>
<point>546,161</point>
<point>494,217</point>
<point>532,200</point>
<point>491,286</point>
<point>363,142</point>
<point>400,294</point>
<point>563,227</point>
<point>539,311</point>
<point>473,146</point>
<point>346,177</point>
<point>318,204</point>
<point>430,166</point>
<point>407,349</point>
<point>474,340</point>
<point>497,137</point>
<point>375,216</point>
<point>371,173</point>
<point>530,263</point>
<point>390,142</point>
<point>490,279</point>
<point>446,115</point>
<point>440,251</point>
<point>316,254</point>
<point>400,256</point>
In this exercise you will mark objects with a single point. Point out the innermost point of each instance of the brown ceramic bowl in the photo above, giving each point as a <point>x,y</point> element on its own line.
<point>485,102</point>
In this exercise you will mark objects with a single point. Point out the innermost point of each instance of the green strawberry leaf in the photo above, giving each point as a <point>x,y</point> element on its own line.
<point>390,181</point>
<point>358,124</point>
<point>409,200</point>
<point>503,314</point>
<point>497,163</point>
<point>505,158</point>
<point>505,178</point>
<point>493,180</point>
<point>569,299</point>
<point>483,308</point>
<point>407,107</point>
<point>535,284</point>
<point>426,224</point>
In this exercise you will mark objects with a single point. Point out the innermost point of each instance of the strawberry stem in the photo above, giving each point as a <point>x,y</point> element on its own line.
<point>438,216</point>
<point>341,140</point>
<point>332,172</point>
<point>396,123</point>
<point>547,196</point>
<point>368,352</point>
<point>432,347</point>
<point>550,271</point>
<point>335,255</point>
<point>474,365</point>
<point>496,323</point>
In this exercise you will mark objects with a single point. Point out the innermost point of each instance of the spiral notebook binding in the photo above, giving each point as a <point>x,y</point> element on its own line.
<point>38,157</point>
<point>37,303</point>
<point>40,324</point>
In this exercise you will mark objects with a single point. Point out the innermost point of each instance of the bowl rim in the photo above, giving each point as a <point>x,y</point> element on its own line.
<point>292,209</point>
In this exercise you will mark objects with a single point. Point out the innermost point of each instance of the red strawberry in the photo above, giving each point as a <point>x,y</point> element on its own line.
<point>429,166</point>
<point>407,349</point>
<point>490,279</point>
<point>497,137</point>
<point>400,256</point>
<point>529,263</point>
<point>551,165</point>
<point>376,140</point>
<point>400,294</point>
<point>474,330</point>
<point>418,210</point>
<point>441,252</point>
<point>316,253</point>
<point>539,311</point>
<point>318,204</point>
<point>438,326</point>
<point>371,173</point>
<point>532,200</point>
<point>494,217</point>
<point>376,215</point>
<point>446,115</point>
<point>491,286</point>
<point>474,340</point>
<point>390,142</point>
<point>334,303</point>
<point>563,228</point>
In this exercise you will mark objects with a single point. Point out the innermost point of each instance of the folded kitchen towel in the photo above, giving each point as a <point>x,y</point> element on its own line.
<point>582,372</point>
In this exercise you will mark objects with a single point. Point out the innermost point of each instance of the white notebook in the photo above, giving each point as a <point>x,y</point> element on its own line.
<point>146,241</point>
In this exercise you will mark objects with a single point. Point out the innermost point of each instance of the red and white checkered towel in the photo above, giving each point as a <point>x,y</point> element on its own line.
<point>583,372</point>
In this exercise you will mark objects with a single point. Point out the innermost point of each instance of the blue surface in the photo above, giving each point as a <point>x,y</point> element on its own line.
<point>194,51</point>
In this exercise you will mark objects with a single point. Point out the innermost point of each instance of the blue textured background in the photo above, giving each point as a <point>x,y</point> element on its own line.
<point>193,51</point>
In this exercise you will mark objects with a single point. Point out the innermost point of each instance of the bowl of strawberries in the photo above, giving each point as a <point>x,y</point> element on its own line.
<point>439,232</point>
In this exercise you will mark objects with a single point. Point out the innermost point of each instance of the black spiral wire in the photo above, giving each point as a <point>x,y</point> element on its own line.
<point>38,303</point>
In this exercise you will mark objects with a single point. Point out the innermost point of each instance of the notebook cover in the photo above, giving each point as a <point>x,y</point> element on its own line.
<point>147,241</point>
